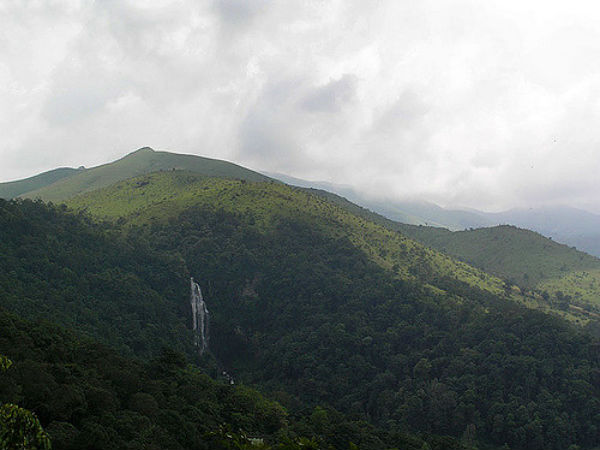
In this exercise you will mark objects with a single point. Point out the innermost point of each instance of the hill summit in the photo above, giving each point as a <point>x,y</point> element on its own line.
<point>63,184</point>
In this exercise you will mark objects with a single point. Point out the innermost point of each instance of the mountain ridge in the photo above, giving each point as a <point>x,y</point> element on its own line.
<point>12,189</point>
<point>571,226</point>
<point>139,162</point>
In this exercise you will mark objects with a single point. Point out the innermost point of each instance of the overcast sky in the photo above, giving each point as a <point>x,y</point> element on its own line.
<point>486,104</point>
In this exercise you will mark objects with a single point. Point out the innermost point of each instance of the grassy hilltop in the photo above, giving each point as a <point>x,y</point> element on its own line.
<point>63,184</point>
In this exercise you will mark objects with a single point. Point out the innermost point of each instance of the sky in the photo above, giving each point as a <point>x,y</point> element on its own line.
<point>481,104</point>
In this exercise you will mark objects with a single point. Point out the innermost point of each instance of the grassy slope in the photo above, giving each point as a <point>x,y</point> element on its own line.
<point>14,189</point>
<point>526,258</point>
<point>140,162</point>
<point>509,253</point>
<point>160,196</point>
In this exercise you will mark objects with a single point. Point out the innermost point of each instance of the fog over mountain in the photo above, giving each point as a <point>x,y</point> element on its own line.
<point>488,105</point>
<point>567,225</point>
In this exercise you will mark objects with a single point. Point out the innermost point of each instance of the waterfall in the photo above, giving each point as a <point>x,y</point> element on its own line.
<point>200,318</point>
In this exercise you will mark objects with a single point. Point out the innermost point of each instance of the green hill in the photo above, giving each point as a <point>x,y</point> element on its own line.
<point>327,307</point>
<point>161,196</point>
<point>523,257</point>
<point>309,303</point>
<point>142,161</point>
<point>14,189</point>
<point>158,197</point>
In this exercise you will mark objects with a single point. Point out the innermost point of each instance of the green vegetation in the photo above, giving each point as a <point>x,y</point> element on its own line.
<point>142,161</point>
<point>354,332</point>
<point>20,429</point>
<point>90,398</point>
<point>90,278</point>
<point>323,307</point>
<point>523,256</point>
<point>14,189</point>
<point>568,280</point>
<point>159,197</point>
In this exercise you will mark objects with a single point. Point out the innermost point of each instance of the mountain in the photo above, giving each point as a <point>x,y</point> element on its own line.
<point>142,161</point>
<point>409,212</point>
<point>14,189</point>
<point>570,226</point>
<point>326,307</point>
<point>361,333</point>
<point>563,275</point>
<point>576,285</point>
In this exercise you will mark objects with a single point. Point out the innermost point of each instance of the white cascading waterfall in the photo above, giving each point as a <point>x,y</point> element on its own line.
<point>200,318</point>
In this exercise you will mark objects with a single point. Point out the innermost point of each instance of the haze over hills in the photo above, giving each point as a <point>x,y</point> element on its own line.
<point>568,225</point>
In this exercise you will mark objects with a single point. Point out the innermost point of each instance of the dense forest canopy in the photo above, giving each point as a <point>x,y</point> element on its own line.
<point>300,309</point>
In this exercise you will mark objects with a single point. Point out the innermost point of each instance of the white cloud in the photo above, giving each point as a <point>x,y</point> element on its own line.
<point>483,104</point>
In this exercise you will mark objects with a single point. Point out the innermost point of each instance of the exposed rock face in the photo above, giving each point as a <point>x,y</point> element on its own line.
<point>200,318</point>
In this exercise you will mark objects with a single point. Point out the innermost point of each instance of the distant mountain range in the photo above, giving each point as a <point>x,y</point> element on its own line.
<point>571,226</point>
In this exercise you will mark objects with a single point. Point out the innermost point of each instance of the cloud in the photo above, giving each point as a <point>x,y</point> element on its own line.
<point>238,12</point>
<point>332,96</point>
<point>481,104</point>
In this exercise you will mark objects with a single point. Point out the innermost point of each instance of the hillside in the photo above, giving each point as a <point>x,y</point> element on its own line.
<point>571,226</point>
<point>564,224</point>
<point>159,197</point>
<point>304,306</point>
<point>562,278</point>
<point>89,397</point>
<point>324,307</point>
<point>523,257</point>
<point>87,277</point>
<point>14,189</point>
<point>142,161</point>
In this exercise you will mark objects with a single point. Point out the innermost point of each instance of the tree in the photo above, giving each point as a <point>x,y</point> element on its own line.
<point>20,429</point>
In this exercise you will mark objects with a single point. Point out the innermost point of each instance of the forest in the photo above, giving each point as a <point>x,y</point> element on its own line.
<point>306,318</point>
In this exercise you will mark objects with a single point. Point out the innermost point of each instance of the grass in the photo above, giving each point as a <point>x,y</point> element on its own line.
<point>14,189</point>
<point>526,259</point>
<point>161,196</point>
<point>140,162</point>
